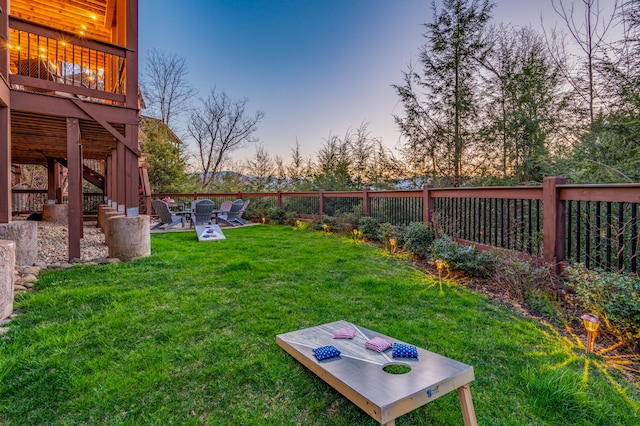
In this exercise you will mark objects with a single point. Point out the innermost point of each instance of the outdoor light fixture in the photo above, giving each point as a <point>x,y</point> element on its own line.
<point>264,220</point>
<point>440,268</point>
<point>591,324</point>
<point>355,234</point>
<point>393,244</point>
<point>325,228</point>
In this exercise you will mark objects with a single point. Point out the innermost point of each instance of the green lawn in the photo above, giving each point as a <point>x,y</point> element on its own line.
<point>187,336</point>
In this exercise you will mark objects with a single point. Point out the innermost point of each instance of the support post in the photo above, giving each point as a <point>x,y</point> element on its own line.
<point>321,203</point>
<point>366,202</point>
<point>427,204</point>
<point>132,180</point>
<point>5,165</point>
<point>553,222</point>
<point>74,165</point>
<point>121,178</point>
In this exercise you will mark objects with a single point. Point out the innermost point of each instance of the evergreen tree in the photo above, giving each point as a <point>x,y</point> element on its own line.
<point>440,111</point>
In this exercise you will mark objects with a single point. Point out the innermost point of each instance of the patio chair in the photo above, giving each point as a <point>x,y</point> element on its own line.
<point>231,217</point>
<point>201,213</point>
<point>239,219</point>
<point>165,216</point>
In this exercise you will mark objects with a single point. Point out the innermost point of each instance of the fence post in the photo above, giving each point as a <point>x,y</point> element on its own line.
<point>427,204</point>
<point>321,203</point>
<point>279,200</point>
<point>195,196</point>
<point>366,202</point>
<point>553,232</point>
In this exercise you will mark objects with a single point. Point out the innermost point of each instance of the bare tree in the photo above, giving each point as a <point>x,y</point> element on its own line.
<point>220,126</point>
<point>261,169</point>
<point>589,35</point>
<point>165,85</point>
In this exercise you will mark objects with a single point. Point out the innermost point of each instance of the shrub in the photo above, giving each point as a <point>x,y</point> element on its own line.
<point>290,218</point>
<point>370,228</point>
<point>276,215</point>
<point>461,257</point>
<point>418,237</point>
<point>614,297</point>
<point>331,223</point>
<point>387,233</point>
<point>527,281</point>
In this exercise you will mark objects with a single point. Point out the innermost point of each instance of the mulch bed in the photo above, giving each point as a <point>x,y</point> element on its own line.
<point>624,357</point>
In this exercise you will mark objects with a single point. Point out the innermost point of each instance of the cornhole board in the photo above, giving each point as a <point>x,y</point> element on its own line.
<point>209,233</point>
<point>359,376</point>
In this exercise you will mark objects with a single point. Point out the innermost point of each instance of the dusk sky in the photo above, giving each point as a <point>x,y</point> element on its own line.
<point>315,67</point>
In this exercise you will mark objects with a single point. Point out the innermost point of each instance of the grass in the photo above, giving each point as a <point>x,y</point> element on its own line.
<point>187,336</point>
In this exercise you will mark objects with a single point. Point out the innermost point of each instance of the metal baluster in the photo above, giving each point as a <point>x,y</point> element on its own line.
<point>620,236</point>
<point>587,238</point>
<point>578,235</point>
<point>634,238</point>
<point>609,225</point>
<point>598,236</point>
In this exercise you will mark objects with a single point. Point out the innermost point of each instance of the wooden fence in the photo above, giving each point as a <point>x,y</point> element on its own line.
<point>556,222</point>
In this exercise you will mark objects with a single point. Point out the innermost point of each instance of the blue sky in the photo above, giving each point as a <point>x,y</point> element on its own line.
<point>315,67</point>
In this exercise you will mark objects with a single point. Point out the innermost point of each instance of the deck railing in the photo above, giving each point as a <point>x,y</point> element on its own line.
<point>47,60</point>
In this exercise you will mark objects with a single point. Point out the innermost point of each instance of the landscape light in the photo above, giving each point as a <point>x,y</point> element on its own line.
<point>393,243</point>
<point>440,268</point>
<point>591,324</point>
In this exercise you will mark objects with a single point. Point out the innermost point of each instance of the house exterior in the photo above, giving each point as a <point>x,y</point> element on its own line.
<point>69,92</point>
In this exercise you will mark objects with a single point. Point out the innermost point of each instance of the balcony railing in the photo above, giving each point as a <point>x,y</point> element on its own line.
<point>46,60</point>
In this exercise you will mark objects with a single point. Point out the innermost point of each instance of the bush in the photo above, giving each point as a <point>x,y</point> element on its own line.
<point>290,218</point>
<point>330,223</point>
<point>276,215</point>
<point>461,257</point>
<point>614,297</point>
<point>417,238</point>
<point>370,228</point>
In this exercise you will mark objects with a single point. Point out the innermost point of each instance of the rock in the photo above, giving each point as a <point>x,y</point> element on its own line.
<point>33,270</point>
<point>29,285</point>
<point>18,287</point>
<point>54,265</point>
<point>29,278</point>
<point>40,265</point>
<point>4,330</point>
<point>66,265</point>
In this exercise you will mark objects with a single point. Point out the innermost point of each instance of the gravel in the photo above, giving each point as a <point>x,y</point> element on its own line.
<point>53,246</point>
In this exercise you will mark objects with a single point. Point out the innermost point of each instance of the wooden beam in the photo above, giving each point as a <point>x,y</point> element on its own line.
<point>124,140</point>
<point>64,107</point>
<point>74,161</point>
<point>110,14</point>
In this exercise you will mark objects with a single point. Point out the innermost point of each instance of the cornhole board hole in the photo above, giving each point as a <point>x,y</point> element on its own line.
<point>209,233</point>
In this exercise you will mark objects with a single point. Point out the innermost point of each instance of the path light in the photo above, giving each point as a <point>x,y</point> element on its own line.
<point>440,268</point>
<point>355,235</point>
<point>393,243</point>
<point>325,228</point>
<point>591,324</point>
<point>298,224</point>
<point>264,220</point>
